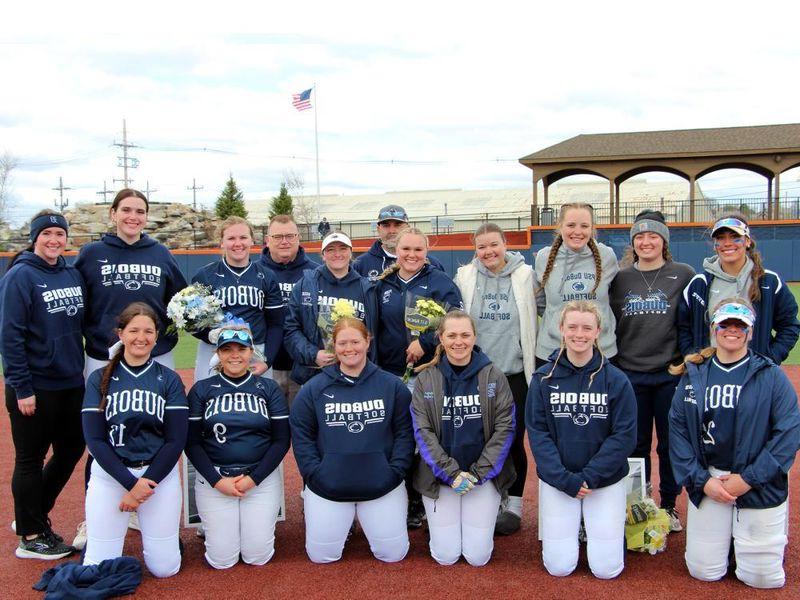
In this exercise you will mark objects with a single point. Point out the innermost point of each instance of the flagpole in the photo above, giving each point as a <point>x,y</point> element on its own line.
<point>316,143</point>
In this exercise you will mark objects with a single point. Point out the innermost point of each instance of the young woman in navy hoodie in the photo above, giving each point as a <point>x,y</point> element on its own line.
<point>42,313</point>
<point>734,433</point>
<point>324,286</point>
<point>464,423</point>
<point>353,443</point>
<point>581,418</point>
<point>123,267</point>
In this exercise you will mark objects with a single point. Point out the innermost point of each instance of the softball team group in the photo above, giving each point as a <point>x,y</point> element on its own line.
<point>617,350</point>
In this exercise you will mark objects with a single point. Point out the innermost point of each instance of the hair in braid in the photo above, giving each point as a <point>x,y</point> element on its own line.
<point>134,309</point>
<point>437,355</point>
<point>598,263</point>
<point>558,240</point>
<point>581,306</point>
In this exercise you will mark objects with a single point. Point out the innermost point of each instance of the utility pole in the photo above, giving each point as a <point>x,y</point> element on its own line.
<point>126,161</point>
<point>105,193</point>
<point>194,189</point>
<point>61,204</point>
<point>148,192</point>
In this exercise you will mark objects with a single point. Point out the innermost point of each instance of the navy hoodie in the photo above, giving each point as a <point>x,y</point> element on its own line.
<point>287,275</point>
<point>462,417</point>
<point>302,336</point>
<point>577,433</point>
<point>766,434</point>
<point>116,274</point>
<point>43,311</point>
<point>352,437</point>
<point>393,336</point>
<point>375,260</point>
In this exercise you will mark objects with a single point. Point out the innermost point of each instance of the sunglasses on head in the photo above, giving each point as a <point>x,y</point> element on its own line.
<point>231,334</point>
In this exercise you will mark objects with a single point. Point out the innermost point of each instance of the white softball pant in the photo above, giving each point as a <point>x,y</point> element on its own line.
<point>92,364</point>
<point>206,358</point>
<point>235,526</point>
<point>463,524</point>
<point>604,517</point>
<point>159,519</point>
<point>759,540</point>
<point>383,521</point>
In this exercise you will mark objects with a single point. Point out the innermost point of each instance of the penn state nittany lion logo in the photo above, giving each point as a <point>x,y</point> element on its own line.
<point>458,421</point>
<point>132,285</point>
<point>386,295</point>
<point>579,286</point>
<point>355,427</point>
<point>580,419</point>
<point>373,273</point>
<point>72,310</point>
<point>494,306</point>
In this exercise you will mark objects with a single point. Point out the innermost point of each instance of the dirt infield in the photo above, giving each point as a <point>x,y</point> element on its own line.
<point>515,571</point>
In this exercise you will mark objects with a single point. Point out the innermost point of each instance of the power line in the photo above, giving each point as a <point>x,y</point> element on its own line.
<point>105,192</point>
<point>194,189</point>
<point>61,204</point>
<point>134,162</point>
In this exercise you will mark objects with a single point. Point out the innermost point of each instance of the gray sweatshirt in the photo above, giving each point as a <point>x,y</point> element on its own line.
<point>495,312</point>
<point>723,285</point>
<point>572,278</point>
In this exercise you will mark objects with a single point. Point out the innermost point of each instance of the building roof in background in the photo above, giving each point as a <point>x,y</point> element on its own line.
<point>758,139</point>
<point>424,204</point>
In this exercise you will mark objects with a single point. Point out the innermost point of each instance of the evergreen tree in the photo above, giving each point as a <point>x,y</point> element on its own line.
<point>282,203</point>
<point>230,201</point>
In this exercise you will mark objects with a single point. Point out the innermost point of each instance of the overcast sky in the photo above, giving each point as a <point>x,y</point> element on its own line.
<point>412,95</point>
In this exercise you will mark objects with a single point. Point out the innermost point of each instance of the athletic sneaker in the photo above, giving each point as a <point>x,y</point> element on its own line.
<point>507,523</point>
<point>133,522</point>
<point>416,514</point>
<point>201,532</point>
<point>674,521</point>
<point>44,547</point>
<point>79,543</point>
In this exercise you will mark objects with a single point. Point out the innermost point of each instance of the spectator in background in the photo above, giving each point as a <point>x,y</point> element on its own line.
<point>324,228</point>
<point>382,254</point>
<point>287,259</point>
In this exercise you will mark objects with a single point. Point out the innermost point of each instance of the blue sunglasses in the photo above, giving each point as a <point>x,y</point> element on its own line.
<point>228,335</point>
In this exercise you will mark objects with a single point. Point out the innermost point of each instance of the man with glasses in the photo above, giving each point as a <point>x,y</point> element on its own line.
<point>284,256</point>
<point>382,253</point>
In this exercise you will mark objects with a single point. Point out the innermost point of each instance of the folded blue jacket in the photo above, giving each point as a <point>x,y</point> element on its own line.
<point>72,580</point>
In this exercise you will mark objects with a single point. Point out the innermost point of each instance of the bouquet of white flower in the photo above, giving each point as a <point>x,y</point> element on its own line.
<point>194,308</point>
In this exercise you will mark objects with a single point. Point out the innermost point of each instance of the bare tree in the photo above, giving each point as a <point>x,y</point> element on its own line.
<point>304,206</point>
<point>8,162</point>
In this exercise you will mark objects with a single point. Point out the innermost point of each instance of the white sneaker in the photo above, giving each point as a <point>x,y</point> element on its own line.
<point>674,521</point>
<point>79,543</point>
<point>201,532</point>
<point>133,522</point>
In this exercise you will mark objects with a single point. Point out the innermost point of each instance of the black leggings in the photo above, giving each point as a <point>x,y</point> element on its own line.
<point>56,423</point>
<point>519,390</point>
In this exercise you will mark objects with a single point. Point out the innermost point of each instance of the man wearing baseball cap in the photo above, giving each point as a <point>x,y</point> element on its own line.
<point>382,253</point>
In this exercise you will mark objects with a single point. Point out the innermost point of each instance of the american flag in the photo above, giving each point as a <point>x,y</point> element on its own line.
<point>302,101</point>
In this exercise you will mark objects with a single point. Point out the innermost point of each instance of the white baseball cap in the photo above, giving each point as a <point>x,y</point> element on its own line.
<point>336,236</point>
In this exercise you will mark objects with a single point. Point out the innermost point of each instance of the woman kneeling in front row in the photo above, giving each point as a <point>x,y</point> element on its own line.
<point>734,431</point>
<point>581,418</point>
<point>352,440</point>
<point>238,436</point>
<point>464,422</point>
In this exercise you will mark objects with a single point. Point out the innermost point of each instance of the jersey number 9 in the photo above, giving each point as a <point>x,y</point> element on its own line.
<point>219,432</point>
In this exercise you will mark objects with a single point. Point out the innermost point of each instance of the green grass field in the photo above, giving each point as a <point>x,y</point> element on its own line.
<point>185,351</point>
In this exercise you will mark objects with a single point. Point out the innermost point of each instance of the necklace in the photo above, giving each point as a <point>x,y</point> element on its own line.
<point>651,284</point>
